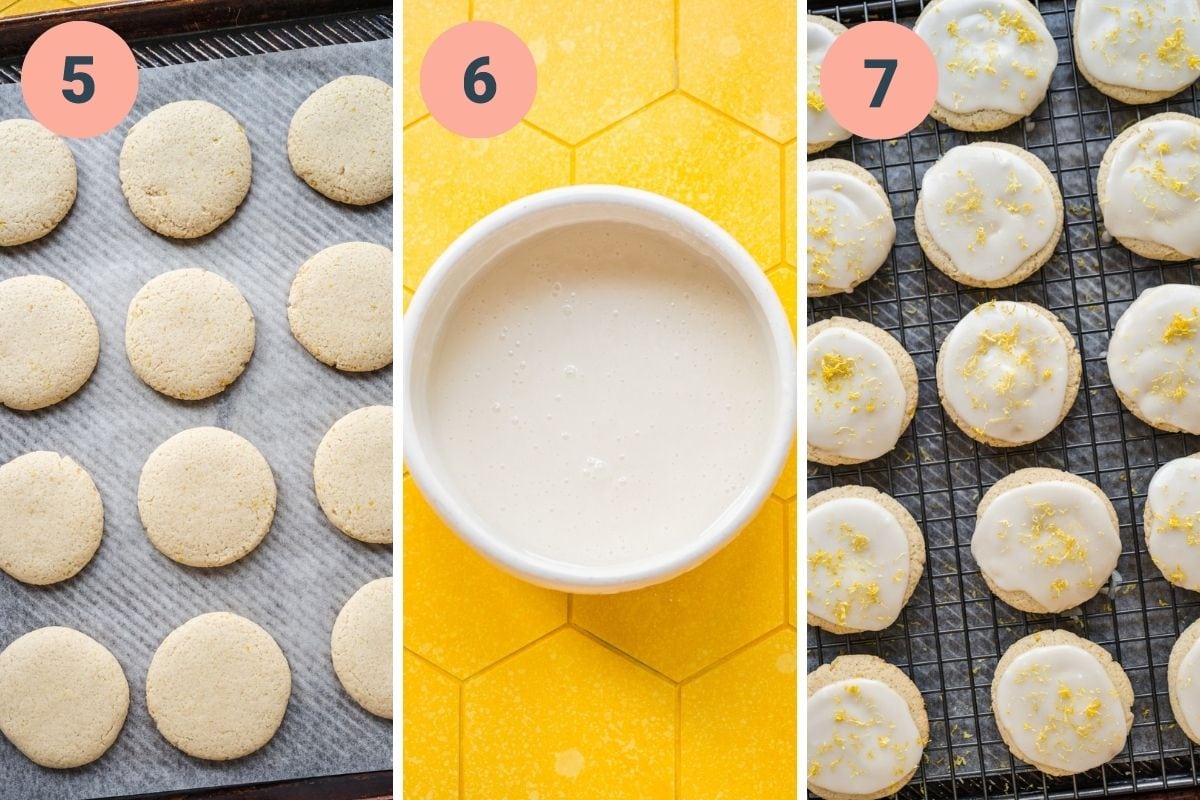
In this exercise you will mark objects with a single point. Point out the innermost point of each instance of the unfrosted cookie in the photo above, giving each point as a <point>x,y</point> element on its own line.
<point>1045,540</point>
<point>1137,51</point>
<point>994,59</point>
<point>850,226</point>
<point>823,130</point>
<point>1008,373</point>
<point>1183,674</point>
<point>353,474</point>
<point>1061,702</point>
<point>1171,521</point>
<point>51,518</point>
<point>185,168</point>
<point>867,729</point>
<point>49,342</point>
<point>340,306</point>
<point>206,497</point>
<point>189,333</point>
<point>1149,187</point>
<point>340,140</point>
<point>218,687</point>
<point>862,391</point>
<point>63,697</point>
<point>989,214</point>
<point>362,647</point>
<point>1152,357</point>
<point>865,556</point>
<point>37,173</point>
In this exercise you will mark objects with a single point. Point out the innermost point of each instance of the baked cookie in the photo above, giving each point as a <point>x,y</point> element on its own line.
<point>353,474</point>
<point>823,130</point>
<point>37,171</point>
<point>362,647</point>
<point>989,214</point>
<point>995,59</point>
<point>1183,672</point>
<point>865,556</point>
<point>1061,702</point>
<point>1152,357</point>
<point>867,729</point>
<point>862,391</point>
<point>1137,51</point>
<point>1045,540</point>
<point>850,226</point>
<point>1171,521</point>
<point>1008,373</point>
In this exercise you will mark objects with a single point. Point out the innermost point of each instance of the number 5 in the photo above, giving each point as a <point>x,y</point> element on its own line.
<point>70,74</point>
<point>475,75</point>
<point>888,65</point>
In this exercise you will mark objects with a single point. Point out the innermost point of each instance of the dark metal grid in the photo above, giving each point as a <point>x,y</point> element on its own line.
<point>953,631</point>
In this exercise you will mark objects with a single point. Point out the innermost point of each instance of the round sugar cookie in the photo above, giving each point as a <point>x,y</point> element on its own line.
<point>353,474</point>
<point>1045,540</point>
<point>1008,373</point>
<point>862,391</point>
<point>37,171</point>
<point>989,214</point>
<point>206,497</point>
<point>340,306</point>
<point>850,226</point>
<point>49,342</point>
<point>51,518</point>
<point>994,58</point>
<point>1171,521</point>
<point>865,557</point>
<point>362,647</point>
<point>867,729</point>
<point>1183,673</point>
<point>1061,702</point>
<point>63,697</point>
<point>1137,52</point>
<point>185,168</point>
<point>340,140</point>
<point>1152,357</point>
<point>823,130</point>
<point>189,333</point>
<point>218,687</point>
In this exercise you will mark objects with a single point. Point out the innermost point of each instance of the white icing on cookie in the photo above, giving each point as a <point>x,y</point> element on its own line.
<point>1061,709</point>
<point>861,737</point>
<point>821,125</point>
<point>991,54</point>
<point>988,209</point>
<point>1004,372</point>
<point>1140,44</point>
<point>856,399</point>
<point>1173,521</point>
<point>1153,359</point>
<point>1153,187</point>
<point>850,230</point>
<point>857,564</point>
<point>1053,540</point>
<point>1187,690</point>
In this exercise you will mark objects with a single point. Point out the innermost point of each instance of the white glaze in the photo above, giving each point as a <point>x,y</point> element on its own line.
<point>1152,355</point>
<point>1053,540</point>
<point>988,209</point>
<point>862,738</point>
<point>1187,692</point>
<point>821,125</point>
<point>850,230</point>
<point>1140,44</point>
<point>1173,521</point>
<point>1061,709</point>
<point>858,564</point>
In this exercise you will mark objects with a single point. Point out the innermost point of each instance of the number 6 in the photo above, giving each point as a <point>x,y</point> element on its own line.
<point>475,75</point>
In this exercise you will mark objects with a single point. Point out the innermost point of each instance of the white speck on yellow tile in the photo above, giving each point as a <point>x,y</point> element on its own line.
<point>424,21</point>
<point>789,205</point>
<point>430,731</point>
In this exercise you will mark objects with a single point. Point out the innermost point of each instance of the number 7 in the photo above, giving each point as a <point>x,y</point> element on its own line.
<point>888,65</point>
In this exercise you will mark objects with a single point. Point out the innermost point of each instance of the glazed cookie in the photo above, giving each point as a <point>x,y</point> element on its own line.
<point>823,131</point>
<point>1061,703</point>
<point>1137,51</point>
<point>1149,184</point>
<point>989,214</point>
<point>218,687</point>
<point>189,334</point>
<point>867,729</point>
<point>362,647</point>
<point>1183,672</point>
<point>37,171</point>
<point>1008,373</point>
<point>1152,359</point>
<point>994,59</point>
<point>185,168</point>
<point>865,556</point>
<point>1171,521</point>
<point>49,342</point>
<point>1045,540</point>
<point>63,697</point>
<point>353,474</point>
<point>862,391</point>
<point>850,226</point>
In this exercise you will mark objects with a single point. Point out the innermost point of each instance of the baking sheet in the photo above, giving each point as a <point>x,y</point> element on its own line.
<point>130,596</point>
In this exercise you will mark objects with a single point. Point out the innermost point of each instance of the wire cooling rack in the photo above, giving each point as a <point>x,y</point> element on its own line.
<point>953,631</point>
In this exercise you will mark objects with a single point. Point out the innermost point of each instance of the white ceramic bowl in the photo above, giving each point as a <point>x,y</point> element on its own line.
<point>534,215</point>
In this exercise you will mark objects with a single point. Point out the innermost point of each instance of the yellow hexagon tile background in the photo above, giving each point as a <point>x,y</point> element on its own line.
<point>673,691</point>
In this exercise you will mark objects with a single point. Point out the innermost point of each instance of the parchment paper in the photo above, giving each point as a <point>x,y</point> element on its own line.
<point>130,596</point>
